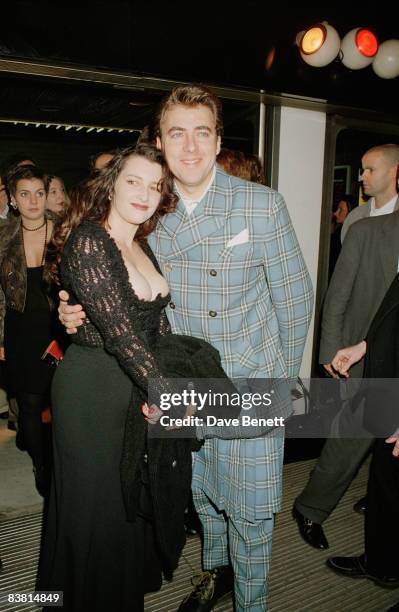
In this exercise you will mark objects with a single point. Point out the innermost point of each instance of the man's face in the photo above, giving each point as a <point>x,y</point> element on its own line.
<point>378,174</point>
<point>190,145</point>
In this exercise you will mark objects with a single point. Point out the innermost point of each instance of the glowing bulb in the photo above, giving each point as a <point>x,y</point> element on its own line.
<point>319,45</point>
<point>358,47</point>
<point>313,39</point>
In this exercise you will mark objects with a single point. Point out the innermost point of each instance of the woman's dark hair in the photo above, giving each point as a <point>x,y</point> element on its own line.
<point>91,199</point>
<point>350,201</point>
<point>24,172</point>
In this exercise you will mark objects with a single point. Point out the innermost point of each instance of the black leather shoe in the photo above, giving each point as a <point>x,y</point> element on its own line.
<point>209,587</point>
<point>311,532</point>
<point>361,506</point>
<point>355,567</point>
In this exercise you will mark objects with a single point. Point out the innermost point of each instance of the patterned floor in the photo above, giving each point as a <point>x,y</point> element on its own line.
<point>300,582</point>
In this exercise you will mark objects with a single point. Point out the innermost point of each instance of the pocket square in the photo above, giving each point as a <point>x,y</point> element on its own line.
<point>240,238</point>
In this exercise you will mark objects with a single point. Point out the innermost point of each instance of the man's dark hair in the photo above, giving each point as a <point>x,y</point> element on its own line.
<point>191,96</point>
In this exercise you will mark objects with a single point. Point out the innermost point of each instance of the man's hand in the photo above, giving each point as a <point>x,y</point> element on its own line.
<point>394,439</point>
<point>2,354</point>
<point>70,316</point>
<point>346,357</point>
<point>328,367</point>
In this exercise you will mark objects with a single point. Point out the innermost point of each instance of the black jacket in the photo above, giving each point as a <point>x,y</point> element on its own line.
<point>169,456</point>
<point>381,416</point>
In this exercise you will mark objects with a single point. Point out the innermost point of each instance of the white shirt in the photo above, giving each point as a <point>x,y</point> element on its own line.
<point>191,204</point>
<point>387,209</point>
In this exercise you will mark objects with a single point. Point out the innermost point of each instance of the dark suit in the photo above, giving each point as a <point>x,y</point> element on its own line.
<point>382,517</point>
<point>364,271</point>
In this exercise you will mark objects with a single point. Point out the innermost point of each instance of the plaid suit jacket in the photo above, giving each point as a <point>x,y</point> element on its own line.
<point>253,302</point>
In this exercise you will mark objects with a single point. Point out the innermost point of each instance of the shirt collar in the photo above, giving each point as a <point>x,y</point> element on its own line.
<point>390,203</point>
<point>190,203</point>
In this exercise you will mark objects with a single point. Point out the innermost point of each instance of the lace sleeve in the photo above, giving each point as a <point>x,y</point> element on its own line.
<point>94,270</point>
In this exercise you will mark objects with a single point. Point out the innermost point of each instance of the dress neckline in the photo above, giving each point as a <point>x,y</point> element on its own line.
<point>159,298</point>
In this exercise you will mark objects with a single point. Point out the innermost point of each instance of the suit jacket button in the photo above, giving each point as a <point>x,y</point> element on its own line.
<point>172,305</point>
<point>212,313</point>
<point>174,463</point>
<point>213,273</point>
<point>167,268</point>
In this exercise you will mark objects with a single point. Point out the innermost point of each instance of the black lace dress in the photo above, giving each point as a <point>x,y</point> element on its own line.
<point>91,552</point>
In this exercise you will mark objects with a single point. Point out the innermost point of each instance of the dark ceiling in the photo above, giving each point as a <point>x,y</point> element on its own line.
<point>215,42</point>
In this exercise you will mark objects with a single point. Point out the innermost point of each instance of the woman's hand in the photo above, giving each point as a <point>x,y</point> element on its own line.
<point>70,316</point>
<point>152,413</point>
<point>346,357</point>
<point>2,354</point>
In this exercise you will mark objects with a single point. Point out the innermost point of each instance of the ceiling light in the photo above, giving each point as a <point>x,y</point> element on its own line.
<point>319,45</point>
<point>386,62</point>
<point>358,48</point>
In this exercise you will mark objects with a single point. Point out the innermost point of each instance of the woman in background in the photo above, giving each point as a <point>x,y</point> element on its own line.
<point>57,197</point>
<point>27,313</point>
<point>346,204</point>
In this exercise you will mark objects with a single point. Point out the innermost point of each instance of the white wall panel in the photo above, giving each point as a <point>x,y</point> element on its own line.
<point>300,180</point>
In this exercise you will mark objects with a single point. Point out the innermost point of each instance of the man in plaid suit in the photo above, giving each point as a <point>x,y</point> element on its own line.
<point>237,279</point>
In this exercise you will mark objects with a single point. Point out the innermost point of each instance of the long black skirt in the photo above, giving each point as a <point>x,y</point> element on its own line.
<point>90,552</point>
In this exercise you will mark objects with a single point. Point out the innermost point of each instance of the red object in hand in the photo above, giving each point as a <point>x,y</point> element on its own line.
<point>53,352</point>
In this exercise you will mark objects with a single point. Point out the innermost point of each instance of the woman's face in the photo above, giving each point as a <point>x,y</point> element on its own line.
<point>56,196</point>
<point>30,198</point>
<point>342,212</point>
<point>136,193</point>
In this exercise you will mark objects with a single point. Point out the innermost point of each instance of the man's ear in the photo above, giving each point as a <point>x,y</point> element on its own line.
<point>158,143</point>
<point>218,145</point>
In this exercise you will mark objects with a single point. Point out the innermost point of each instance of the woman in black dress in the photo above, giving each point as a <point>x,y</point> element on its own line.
<point>27,313</point>
<point>116,512</point>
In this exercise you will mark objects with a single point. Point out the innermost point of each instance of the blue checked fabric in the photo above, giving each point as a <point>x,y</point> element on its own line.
<point>253,302</point>
<point>250,545</point>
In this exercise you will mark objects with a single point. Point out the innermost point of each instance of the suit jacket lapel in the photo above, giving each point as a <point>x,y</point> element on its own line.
<point>208,217</point>
<point>389,247</point>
